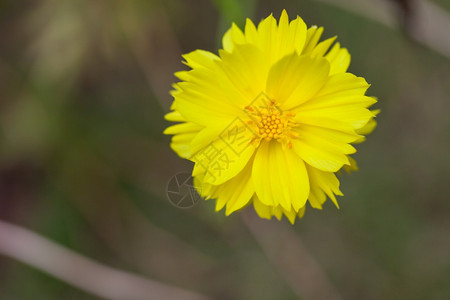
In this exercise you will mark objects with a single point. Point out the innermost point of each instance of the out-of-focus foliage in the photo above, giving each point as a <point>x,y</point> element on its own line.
<point>83,89</point>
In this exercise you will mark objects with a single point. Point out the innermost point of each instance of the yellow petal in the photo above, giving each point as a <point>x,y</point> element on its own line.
<point>232,37</point>
<point>225,156</point>
<point>174,116</point>
<point>323,148</point>
<point>245,70</point>
<point>341,100</point>
<point>322,184</point>
<point>295,79</point>
<point>181,144</point>
<point>370,126</point>
<point>277,41</point>
<point>207,94</point>
<point>200,59</point>
<point>280,177</point>
<point>291,36</point>
<point>268,38</point>
<point>206,135</point>
<point>352,167</point>
<point>339,59</point>
<point>356,116</point>
<point>183,134</point>
<point>297,35</point>
<point>341,86</point>
<point>183,128</point>
<point>322,47</point>
<point>236,192</point>
<point>209,88</point>
<point>261,209</point>
<point>316,198</point>
<point>251,33</point>
<point>267,212</point>
<point>312,38</point>
<point>301,212</point>
<point>195,104</point>
<point>291,215</point>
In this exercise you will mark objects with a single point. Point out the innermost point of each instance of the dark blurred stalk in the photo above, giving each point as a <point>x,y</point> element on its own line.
<point>84,273</point>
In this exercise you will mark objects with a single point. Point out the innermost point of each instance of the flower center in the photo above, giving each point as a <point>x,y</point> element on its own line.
<point>271,125</point>
<point>270,122</point>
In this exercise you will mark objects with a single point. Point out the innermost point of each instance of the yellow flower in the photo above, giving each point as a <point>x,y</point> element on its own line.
<point>271,119</point>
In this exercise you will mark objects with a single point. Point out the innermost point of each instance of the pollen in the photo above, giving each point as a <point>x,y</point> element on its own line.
<point>272,123</point>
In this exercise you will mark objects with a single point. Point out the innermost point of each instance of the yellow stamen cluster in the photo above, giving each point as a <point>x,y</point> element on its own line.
<point>271,126</point>
<point>272,123</point>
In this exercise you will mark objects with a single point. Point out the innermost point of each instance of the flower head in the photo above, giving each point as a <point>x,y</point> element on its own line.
<point>271,119</point>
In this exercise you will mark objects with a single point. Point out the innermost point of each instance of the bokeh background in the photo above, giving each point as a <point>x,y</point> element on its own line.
<point>83,161</point>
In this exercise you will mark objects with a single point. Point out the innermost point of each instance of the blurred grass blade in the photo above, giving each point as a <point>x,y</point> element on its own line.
<point>82,272</point>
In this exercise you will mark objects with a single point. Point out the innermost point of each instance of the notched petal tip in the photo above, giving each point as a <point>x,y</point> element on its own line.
<point>375,112</point>
<point>292,219</point>
<point>269,20</point>
<point>173,116</point>
<point>301,212</point>
<point>284,17</point>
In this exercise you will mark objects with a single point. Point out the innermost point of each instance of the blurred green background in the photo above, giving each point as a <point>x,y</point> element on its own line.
<point>83,161</point>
